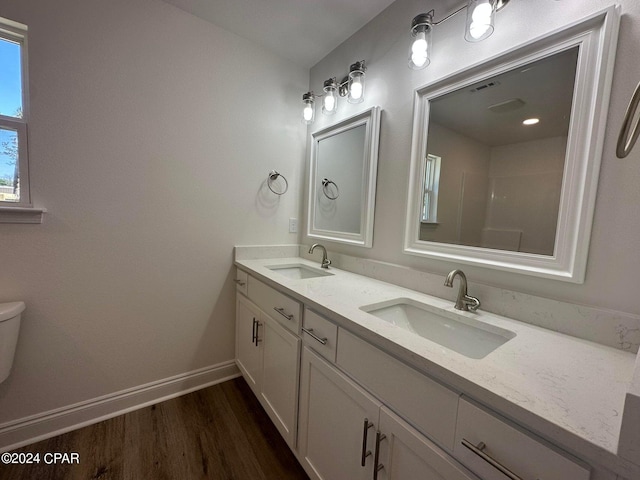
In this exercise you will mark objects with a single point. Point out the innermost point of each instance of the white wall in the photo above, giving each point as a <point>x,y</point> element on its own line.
<point>463,158</point>
<point>526,182</point>
<point>614,262</point>
<point>151,135</point>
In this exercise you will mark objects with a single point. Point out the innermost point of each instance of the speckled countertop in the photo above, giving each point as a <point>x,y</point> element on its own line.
<point>567,390</point>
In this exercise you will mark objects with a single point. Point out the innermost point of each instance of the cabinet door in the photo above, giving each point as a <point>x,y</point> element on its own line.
<point>280,376</point>
<point>333,412</point>
<point>406,454</point>
<point>248,350</point>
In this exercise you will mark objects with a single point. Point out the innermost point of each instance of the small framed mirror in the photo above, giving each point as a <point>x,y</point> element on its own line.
<point>506,155</point>
<point>342,180</point>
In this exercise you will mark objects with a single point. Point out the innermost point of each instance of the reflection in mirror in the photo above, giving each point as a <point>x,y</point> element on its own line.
<point>500,179</point>
<point>340,162</point>
<point>489,189</point>
<point>342,180</point>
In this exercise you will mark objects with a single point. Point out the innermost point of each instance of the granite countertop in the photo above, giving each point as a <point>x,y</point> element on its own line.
<point>568,390</point>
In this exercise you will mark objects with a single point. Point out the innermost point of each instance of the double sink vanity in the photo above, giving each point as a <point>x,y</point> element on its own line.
<point>369,380</point>
<point>365,379</point>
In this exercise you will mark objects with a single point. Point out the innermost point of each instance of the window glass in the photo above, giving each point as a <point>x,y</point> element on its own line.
<point>10,79</point>
<point>9,166</point>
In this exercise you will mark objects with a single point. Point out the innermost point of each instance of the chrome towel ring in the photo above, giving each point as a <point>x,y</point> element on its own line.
<point>325,189</point>
<point>630,129</point>
<point>273,176</point>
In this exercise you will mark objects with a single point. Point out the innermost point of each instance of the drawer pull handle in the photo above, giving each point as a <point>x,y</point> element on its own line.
<point>478,450</point>
<point>323,340</point>
<point>281,311</point>
<point>240,282</point>
<point>365,429</point>
<point>378,466</point>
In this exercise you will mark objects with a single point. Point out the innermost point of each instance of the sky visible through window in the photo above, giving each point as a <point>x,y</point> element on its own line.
<point>10,97</point>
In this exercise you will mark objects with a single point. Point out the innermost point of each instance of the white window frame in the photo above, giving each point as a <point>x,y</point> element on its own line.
<point>21,211</point>
<point>431,176</point>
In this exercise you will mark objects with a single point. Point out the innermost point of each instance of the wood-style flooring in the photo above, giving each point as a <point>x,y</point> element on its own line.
<point>220,433</point>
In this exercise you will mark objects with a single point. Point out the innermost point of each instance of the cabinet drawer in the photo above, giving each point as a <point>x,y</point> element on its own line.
<point>242,280</point>
<point>277,305</point>
<point>504,445</point>
<point>425,403</point>
<point>320,334</point>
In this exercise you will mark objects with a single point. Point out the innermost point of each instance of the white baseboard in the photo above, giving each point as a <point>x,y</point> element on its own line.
<point>25,431</point>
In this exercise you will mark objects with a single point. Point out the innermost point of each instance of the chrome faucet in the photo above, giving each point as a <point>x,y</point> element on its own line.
<point>325,261</point>
<point>463,302</point>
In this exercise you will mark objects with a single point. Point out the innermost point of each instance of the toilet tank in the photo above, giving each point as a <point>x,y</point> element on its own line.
<point>9,329</point>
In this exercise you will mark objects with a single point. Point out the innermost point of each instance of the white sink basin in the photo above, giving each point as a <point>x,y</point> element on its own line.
<point>298,271</point>
<point>464,335</point>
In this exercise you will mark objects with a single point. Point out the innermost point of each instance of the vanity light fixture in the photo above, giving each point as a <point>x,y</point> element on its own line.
<point>480,14</point>
<point>351,86</point>
<point>356,82</point>
<point>531,121</point>
<point>330,99</point>
<point>421,28</point>
<point>309,110</point>
<point>479,25</point>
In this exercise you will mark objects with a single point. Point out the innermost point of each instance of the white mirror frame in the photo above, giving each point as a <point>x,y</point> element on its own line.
<point>596,37</point>
<point>371,119</point>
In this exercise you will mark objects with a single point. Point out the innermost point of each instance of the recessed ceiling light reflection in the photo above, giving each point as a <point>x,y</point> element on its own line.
<point>531,121</point>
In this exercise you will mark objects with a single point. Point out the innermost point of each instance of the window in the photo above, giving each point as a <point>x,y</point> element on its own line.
<point>431,183</point>
<point>14,170</point>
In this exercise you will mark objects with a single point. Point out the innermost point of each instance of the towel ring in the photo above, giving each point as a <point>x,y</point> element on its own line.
<point>629,133</point>
<point>273,176</point>
<point>325,183</point>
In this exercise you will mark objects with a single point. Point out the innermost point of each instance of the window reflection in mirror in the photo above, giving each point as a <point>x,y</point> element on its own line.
<point>431,186</point>
<point>500,181</point>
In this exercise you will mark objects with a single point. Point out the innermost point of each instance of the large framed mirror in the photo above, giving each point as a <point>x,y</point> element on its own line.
<point>506,155</point>
<point>342,180</point>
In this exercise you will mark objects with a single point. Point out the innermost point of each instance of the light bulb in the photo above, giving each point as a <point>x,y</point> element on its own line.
<point>307,113</point>
<point>419,50</point>
<point>419,59</point>
<point>479,20</point>
<point>330,99</point>
<point>356,82</point>
<point>482,13</point>
<point>419,45</point>
<point>478,29</point>
<point>329,103</point>
<point>420,41</point>
<point>356,88</point>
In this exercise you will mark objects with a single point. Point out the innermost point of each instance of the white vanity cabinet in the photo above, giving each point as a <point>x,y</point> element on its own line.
<point>248,347</point>
<point>268,356</point>
<point>344,432</point>
<point>406,454</point>
<point>350,409</point>
<point>496,449</point>
<point>337,424</point>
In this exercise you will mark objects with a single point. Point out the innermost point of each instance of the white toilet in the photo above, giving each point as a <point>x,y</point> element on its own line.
<point>9,328</point>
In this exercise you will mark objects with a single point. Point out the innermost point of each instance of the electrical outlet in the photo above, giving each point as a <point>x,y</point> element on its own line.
<point>293,225</point>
